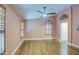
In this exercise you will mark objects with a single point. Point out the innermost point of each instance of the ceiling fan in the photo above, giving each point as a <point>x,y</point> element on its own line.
<point>44,12</point>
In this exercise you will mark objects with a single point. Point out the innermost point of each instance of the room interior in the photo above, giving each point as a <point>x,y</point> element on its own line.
<point>39,29</point>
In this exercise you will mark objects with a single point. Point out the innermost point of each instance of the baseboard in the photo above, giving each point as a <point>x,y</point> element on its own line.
<point>76,46</point>
<point>39,38</point>
<point>17,48</point>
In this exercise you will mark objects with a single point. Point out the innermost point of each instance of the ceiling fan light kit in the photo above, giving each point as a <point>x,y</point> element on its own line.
<point>44,15</point>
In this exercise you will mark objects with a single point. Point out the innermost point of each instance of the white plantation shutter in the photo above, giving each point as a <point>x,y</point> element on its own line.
<point>2,17</point>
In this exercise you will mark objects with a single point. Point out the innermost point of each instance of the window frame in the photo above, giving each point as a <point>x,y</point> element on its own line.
<point>50,28</point>
<point>22,21</point>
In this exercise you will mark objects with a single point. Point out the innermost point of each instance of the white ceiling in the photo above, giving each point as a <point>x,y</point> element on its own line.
<point>28,11</point>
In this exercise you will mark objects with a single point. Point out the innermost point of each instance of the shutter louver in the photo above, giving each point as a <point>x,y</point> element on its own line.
<point>2,17</point>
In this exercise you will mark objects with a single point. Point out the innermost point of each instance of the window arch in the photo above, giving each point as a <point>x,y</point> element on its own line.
<point>65,16</point>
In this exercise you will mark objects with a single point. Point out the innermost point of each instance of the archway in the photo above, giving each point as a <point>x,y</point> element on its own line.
<point>64,33</point>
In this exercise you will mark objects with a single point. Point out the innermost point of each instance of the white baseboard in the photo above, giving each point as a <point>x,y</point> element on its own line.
<point>39,38</point>
<point>74,45</point>
<point>17,48</point>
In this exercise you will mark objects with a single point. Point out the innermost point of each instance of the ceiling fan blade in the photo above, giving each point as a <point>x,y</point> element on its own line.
<point>40,12</point>
<point>50,13</point>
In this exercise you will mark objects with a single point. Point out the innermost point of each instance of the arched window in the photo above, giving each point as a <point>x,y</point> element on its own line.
<point>48,27</point>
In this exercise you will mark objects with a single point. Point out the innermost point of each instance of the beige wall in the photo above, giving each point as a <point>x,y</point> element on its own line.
<point>68,12</point>
<point>54,28</point>
<point>73,22</point>
<point>36,28</point>
<point>12,30</point>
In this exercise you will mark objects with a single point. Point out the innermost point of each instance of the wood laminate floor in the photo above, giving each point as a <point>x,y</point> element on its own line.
<point>44,47</point>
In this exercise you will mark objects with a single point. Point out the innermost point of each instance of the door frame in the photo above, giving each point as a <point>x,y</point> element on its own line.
<point>67,29</point>
<point>62,21</point>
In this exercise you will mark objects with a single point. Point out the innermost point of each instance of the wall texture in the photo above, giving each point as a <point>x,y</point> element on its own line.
<point>36,28</point>
<point>12,30</point>
<point>75,24</point>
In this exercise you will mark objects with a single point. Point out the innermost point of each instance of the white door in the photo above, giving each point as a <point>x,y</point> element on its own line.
<point>64,38</point>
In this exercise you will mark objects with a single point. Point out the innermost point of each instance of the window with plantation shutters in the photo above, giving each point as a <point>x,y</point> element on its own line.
<point>2,17</point>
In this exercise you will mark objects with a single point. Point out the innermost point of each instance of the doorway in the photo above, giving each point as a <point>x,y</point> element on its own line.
<point>64,37</point>
<point>64,30</point>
